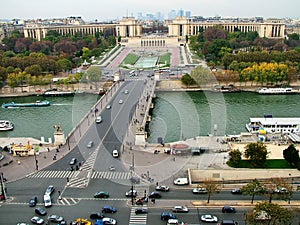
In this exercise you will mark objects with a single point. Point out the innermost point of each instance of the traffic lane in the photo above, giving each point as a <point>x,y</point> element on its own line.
<point>194,215</point>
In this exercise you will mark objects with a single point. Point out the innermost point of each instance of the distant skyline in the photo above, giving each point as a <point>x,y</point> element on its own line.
<point>91,10</point>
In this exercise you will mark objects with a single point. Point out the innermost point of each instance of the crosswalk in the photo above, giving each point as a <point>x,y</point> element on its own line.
<point>140,219</point>
<point>54,174</point>
<point>68,201</point>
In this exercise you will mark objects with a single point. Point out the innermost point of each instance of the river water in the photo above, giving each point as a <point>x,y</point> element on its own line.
<point>176,115</point>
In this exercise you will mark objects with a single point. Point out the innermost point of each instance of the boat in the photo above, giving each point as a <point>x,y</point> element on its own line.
<point>225,89</point>
<point>277,91</point>
<point>30,104</point>
<point>272,125</point>
<point>56,92</point>
<point>6,125</point>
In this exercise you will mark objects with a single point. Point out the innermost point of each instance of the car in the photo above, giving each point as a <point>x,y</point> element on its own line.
<point>120,101</point>
<point>81,221</point>
<point>90,144</point>
<point>141,211</point>
<point>126,91</point>
<point>33,201</point>
<point>101,194</point>
<point>162,188</point>
<point>209,218</point>
<point>175,222</point>
<point>22,223</point>
<point>228,222</point>
<point>167,216</point>
<point>228,209</point>
<point>115,153</point>
<point>99,119</point>
<point>154,194</point>
<point>180,209</point>
<point>40,211</point>
<point>109,209</point>
<point>73,161</point>
<point>108,106</point>
<point>37,220</point>
<point>141,201</point>
<point>49,190</point>
<point>96,215</point>
<point>135,180</point>
<point>236,191</point>
<point>281,190</point>
<point>47,201</point>
<point>131,193</point>
<point>109,221</point>
<point>199,191</point>
<point>55,218</point>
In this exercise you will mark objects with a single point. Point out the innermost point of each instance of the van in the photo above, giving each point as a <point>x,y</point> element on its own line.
<point>181,181</point>
<point>47,201</point>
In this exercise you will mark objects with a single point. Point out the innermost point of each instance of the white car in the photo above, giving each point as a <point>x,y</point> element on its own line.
<point>120,101</point>
<point>47,201</point>
<point>180,209</point>
<point>99,119</point>
<point>109,221</point>
<point>199,191</point>
<point>162,188</point>
<point>209,218</point>
<point>108,106</point>
<point>37,220</point>
<point>126,92</point>
<point>115,153</point>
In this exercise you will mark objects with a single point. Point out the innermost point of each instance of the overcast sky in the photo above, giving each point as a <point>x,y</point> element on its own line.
<point>113,9</point>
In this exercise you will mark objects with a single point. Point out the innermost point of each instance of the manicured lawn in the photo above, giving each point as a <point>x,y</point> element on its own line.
<point>270,164</point>
<point>165,59</point>
<point>130,59</point>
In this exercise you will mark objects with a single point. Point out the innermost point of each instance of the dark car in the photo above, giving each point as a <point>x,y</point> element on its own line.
<point>40,211</point>
<point>236,191</point>
<point>109,209</point>
<point>96,215</point>
<point>49,190</point>
<point>73,161</point>
<point>228,209</point>
<point>167,216</point>
<point>33,201</point>
<point>101,194</point>
<point>141,211</point>
<point>154,194</point>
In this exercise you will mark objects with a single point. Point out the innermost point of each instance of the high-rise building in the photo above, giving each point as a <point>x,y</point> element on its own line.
<point>188,14</point>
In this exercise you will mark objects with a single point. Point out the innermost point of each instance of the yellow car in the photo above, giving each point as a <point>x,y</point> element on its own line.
<point>81,221</point>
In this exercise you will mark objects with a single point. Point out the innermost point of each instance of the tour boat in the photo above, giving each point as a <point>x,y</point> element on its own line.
<point>268,124</point>
<point>277,91</point>
<point>6,125</point>
<point>30,104</point>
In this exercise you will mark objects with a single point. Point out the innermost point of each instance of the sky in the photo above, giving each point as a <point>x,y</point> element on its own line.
<point>104,10</point>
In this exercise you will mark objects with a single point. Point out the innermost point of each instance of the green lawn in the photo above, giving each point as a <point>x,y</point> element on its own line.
<point>131,59</point>
<point>270,164</point>
<point>165,59</point>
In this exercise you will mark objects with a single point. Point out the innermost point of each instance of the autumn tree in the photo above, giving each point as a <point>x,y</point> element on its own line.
<point>202,75</point>
<point>212,187</point>
<point>256,153</point>
<point>253,188</point>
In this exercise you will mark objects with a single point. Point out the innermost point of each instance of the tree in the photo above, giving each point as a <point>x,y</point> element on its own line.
<point>235,157</point>
<point>212,187</point>
<point>201,75</point>
<point>276,214</point>
<point>187,80</point>
<point>253,188</point>
<point>291,155</point>
<point>279,188</point>
<point>256,153</point>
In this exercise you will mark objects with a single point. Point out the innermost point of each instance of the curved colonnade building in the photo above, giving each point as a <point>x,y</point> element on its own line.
<point>130,30</point>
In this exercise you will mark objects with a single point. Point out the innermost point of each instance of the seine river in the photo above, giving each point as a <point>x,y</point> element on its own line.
<point>176,115</point>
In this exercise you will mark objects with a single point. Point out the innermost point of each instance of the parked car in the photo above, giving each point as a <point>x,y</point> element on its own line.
<point>154,194</point>
<point>126,91</point>
<point>99,119</point>
<point>49,190</point>
<point>131,193</point>
<point>180,209</point>
<point>90,144</point>
<point>115,153</point>
<point>109,209</point>
<point>37,220</point>
<point>55,218</point>
<point>141,211</point>
<point>209,218</point>
<point>120,101</point>
<point>167,216</point>
<point>108,106</point>
<point>101,194</point>
<point>33,201</point>
<point>109,221</point>
<point>40,211</point>
<point>199,191</point>
<point>228,209</point>
<point>162,188</point>
<point>236,191</point>
<point>228,222</point>
<point>96,215</point>
<point>73,161</point>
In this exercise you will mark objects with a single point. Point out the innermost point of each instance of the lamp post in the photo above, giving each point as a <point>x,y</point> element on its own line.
<point>131,171</point>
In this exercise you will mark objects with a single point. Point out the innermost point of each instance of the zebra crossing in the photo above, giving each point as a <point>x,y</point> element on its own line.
<point>68,201</point>
<point>111,175</point>
<point>54,174</point>
<point>137,219</point>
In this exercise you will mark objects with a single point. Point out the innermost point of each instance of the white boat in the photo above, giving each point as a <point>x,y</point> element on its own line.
<point>277,91</point>
<point>268,124</point>
<point>6,125</point>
